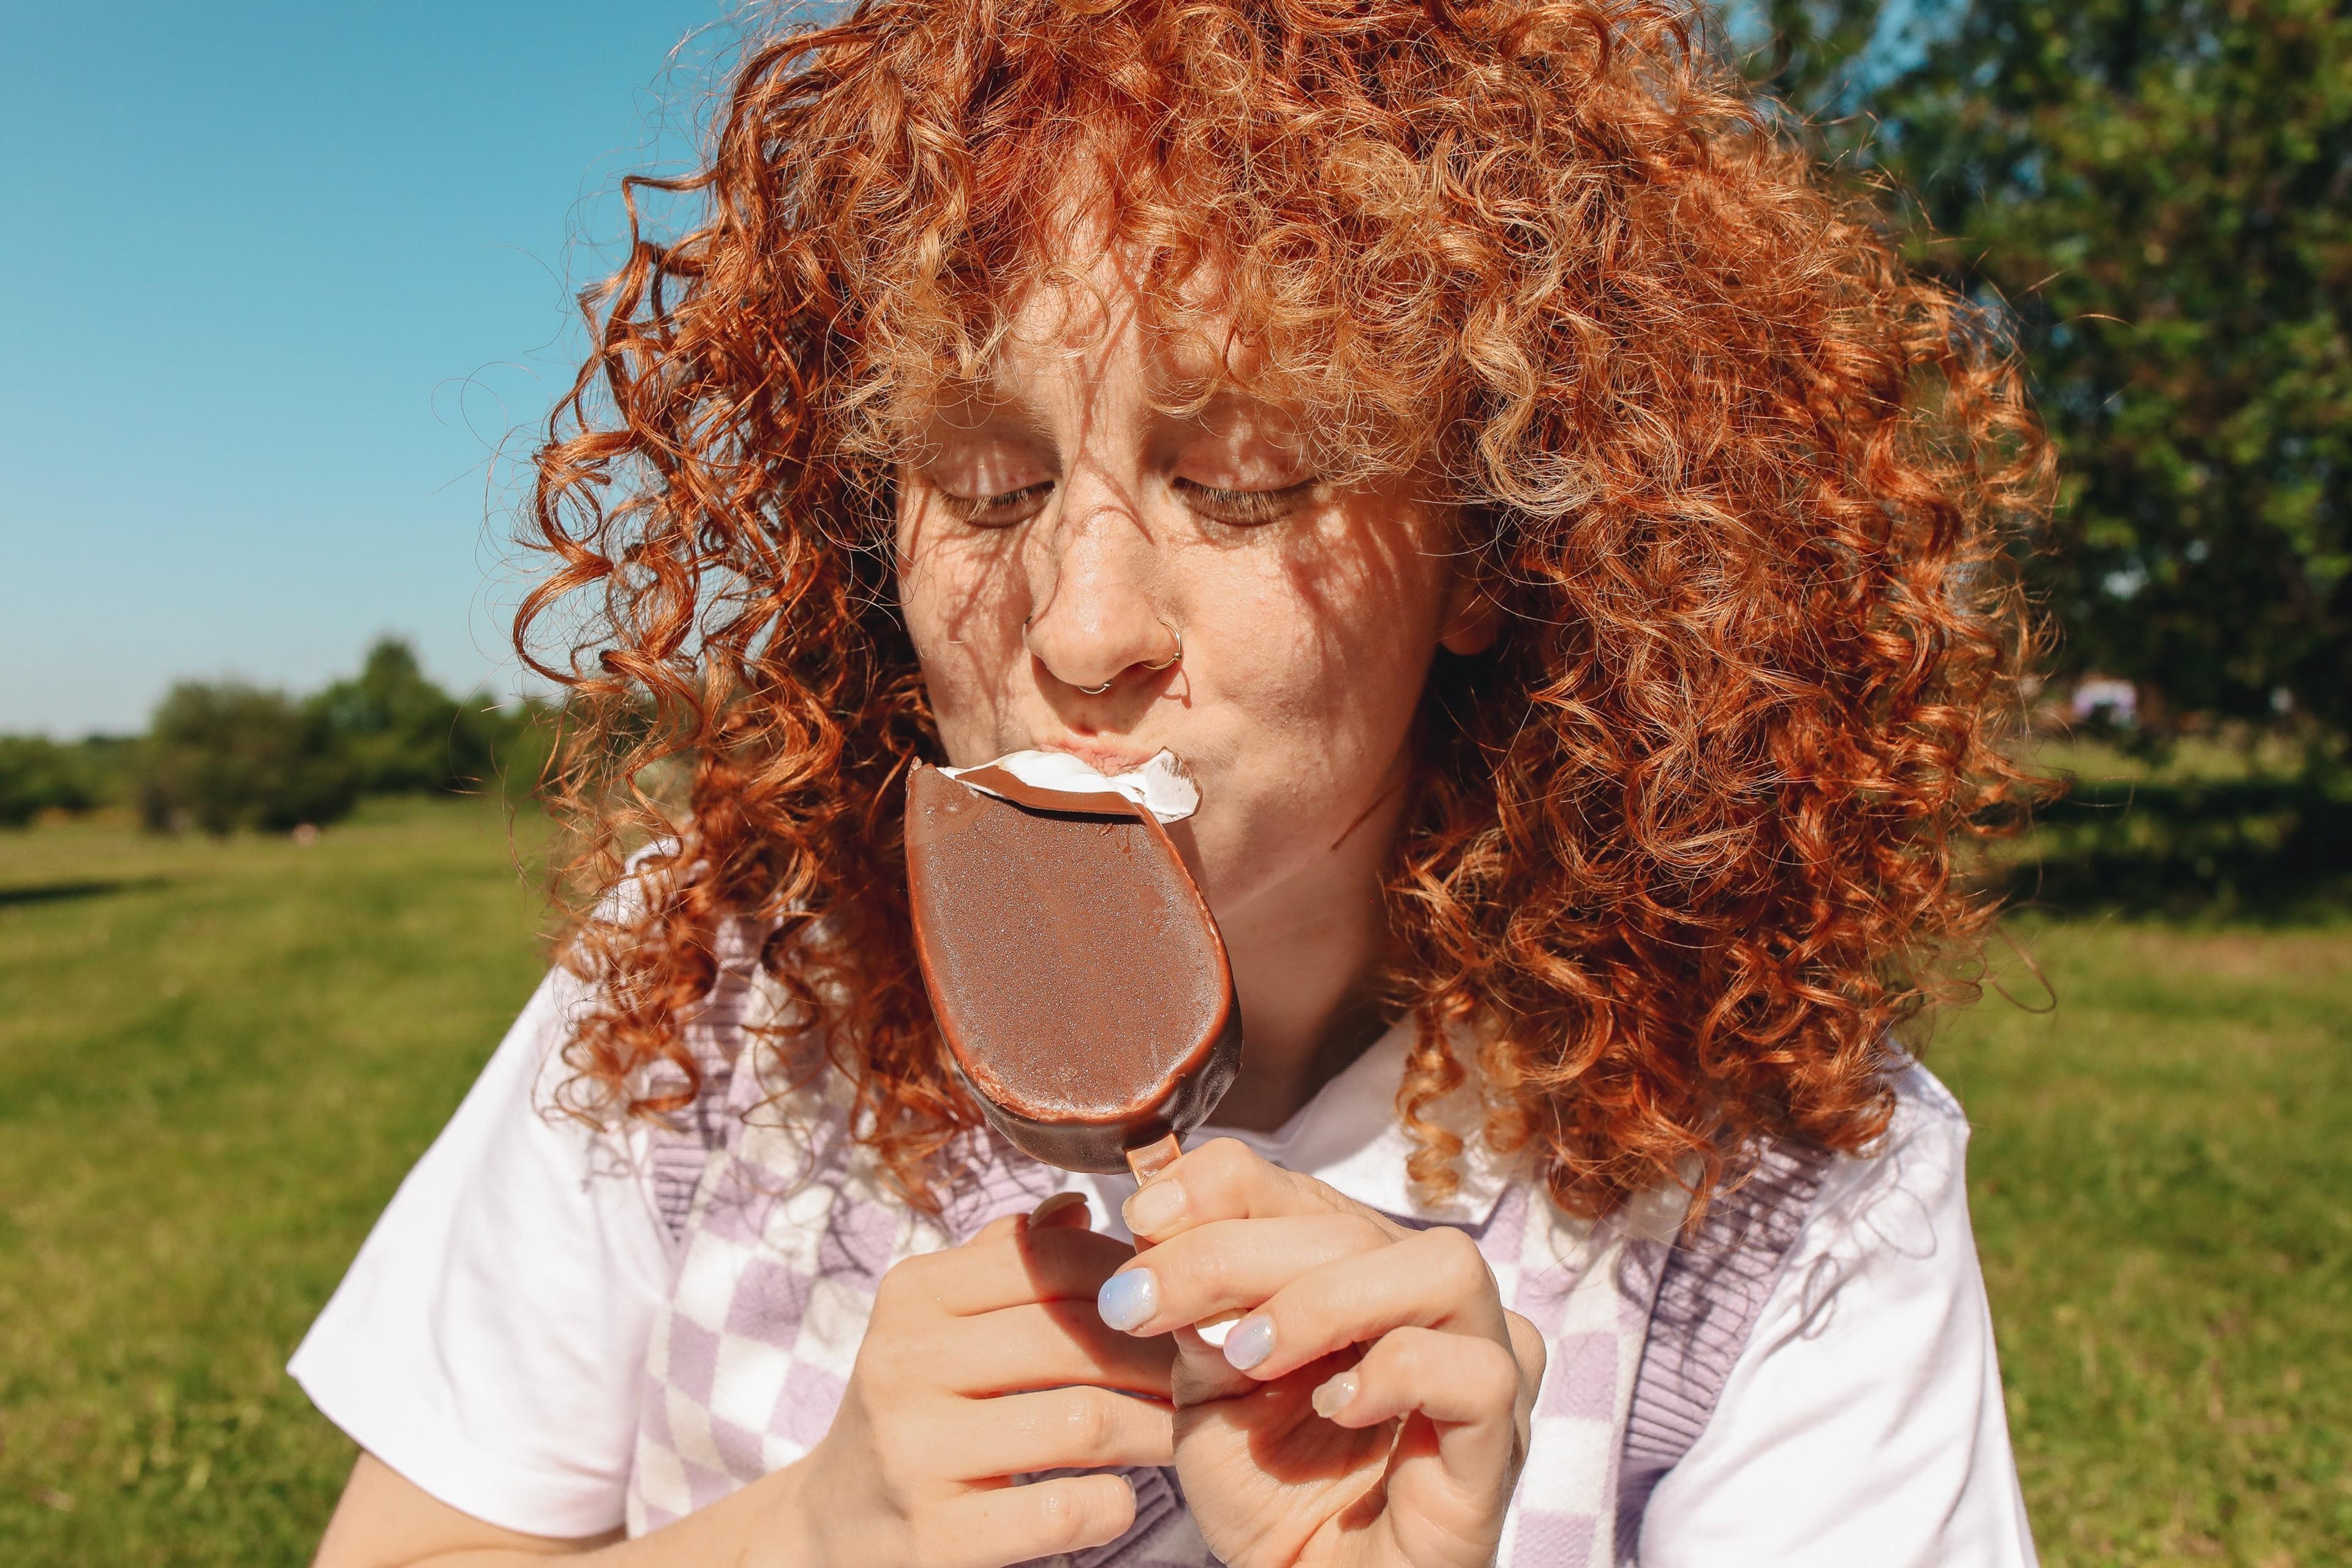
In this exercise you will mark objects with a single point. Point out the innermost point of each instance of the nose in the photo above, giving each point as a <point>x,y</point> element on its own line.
<point>1099,621</point>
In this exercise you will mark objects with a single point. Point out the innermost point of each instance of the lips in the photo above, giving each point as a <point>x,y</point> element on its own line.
<point>1107,760</point>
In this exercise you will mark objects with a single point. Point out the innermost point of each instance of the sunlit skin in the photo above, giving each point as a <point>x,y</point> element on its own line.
<point>1058,534</point>
<point>1081,570</point>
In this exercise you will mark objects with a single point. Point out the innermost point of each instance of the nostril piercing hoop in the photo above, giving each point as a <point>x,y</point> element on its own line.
<point>1178,633</point>
<point>1154,668</point>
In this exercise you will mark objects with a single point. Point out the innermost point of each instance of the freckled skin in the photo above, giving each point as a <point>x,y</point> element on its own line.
<point>1060,542</point>
<point>1307,625</point>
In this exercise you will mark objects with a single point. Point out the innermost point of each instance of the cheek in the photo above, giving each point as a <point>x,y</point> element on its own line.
<point>1347,634</point>
<point>960,603</point>
<point>1323,654</point>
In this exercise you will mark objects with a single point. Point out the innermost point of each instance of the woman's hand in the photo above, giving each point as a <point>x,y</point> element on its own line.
<point>981,1363</point>
<point>1371,1408</point>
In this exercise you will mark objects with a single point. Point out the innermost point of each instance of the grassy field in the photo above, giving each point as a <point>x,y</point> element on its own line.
<point>2160,1176</point>
<point>218,1060</point>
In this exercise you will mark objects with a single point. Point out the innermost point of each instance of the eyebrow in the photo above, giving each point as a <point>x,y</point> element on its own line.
<point>976,410</point>
<point>970,414</point>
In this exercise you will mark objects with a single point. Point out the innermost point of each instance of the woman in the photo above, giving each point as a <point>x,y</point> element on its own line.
<point>1564,548</point>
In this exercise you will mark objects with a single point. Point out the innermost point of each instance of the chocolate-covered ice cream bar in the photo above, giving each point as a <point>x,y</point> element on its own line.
<point>1075,969</point>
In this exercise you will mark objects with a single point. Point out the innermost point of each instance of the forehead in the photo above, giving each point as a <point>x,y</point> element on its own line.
<point>1097,318</point>
<point>1102,321</point>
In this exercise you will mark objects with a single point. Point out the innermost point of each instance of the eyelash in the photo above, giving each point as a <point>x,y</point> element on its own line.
<point>1238,509</point>
<point>974,510</point>
<point>1249,509</point>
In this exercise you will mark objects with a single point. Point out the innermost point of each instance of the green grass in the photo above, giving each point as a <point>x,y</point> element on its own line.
<point>2160,1173</point>
<point>218,1060</point>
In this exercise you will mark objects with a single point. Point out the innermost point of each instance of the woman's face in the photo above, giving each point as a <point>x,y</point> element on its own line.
<point>1083,573</point>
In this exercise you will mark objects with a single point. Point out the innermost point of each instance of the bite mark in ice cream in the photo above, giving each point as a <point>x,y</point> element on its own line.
<point>1076,971</point>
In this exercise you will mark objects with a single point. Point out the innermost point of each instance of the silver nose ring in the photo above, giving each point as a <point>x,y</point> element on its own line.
<point>1153,669</point>
<point>1172,658</point>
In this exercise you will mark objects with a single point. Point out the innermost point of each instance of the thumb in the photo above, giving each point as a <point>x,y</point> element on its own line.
<point>1061,1209</point>
<point>1201,1373</point>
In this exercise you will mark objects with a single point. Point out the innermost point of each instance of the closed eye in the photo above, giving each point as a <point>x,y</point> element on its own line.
<point>1243,509</point>
<point>1000,510</point>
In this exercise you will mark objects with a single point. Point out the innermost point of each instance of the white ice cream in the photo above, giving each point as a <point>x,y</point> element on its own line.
<point>1159,785</point>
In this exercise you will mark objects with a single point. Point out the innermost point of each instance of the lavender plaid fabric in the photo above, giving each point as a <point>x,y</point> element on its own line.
<point>789,1230</point>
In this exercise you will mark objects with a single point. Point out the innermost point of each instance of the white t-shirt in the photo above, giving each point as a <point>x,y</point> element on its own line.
<point>489,1341</point>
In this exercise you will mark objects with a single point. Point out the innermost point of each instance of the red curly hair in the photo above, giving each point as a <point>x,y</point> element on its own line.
<point>1686,848</point>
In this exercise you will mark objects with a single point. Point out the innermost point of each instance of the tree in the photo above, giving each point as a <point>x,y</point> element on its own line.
<point>398,731</point>
<point>2159,193</point>
<point>224,755</point>
<point>38,775</point>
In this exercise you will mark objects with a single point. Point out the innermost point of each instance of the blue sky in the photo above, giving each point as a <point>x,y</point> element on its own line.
<point>280,281</point>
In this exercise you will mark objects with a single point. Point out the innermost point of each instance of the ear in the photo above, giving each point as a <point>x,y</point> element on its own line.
<point>1473,619</point>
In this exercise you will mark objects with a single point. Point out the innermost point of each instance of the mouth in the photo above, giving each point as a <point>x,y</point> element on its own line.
<point>1105,758</point>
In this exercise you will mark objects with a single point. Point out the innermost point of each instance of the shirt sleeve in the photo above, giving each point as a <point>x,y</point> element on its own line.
<point>1864,1423</point>
<point>488,1340</point>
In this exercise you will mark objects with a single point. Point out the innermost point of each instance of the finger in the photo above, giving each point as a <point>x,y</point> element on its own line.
<point>1014,1524</point>
<point>1230,1265</point>
<point>1436,1279</point>
<point>1052,1429</point>
<point>1222,1179</point>
<point>1055,1210</point>
<point>1062,1209</point>
<point>1201,1375</point>
<point>1056,1263</point>
<point>1533,1355</point>
<point>1043,1345</point>
<point>1468,1388</point>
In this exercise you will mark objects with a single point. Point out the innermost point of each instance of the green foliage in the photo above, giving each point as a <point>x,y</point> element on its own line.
<point>37,775</point>
<point>400,733</point>
<point>224,755</point>
<point>2160,194</point>
<point>2217,830</point>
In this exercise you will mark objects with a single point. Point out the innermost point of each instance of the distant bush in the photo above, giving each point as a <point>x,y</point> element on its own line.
<point>400,733</point>
<point>38,775</point>
<point>221,755</point>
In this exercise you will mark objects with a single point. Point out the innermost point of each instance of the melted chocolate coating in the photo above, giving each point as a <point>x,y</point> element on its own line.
<point>1076,971</point>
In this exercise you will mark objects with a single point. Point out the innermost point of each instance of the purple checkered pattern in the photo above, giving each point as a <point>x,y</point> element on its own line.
<point>790,1230</point>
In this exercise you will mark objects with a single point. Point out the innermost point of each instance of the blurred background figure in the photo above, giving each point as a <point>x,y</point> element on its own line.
<point>2102,699</point>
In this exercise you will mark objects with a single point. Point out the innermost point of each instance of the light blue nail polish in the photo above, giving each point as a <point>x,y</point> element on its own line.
<point>1128,1299</point>
<point>1250,1342</point>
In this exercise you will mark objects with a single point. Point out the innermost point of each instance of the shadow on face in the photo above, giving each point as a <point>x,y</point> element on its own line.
<point>1111,545</point>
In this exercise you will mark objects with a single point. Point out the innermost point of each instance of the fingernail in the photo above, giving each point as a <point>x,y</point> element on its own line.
<point>1154,1208</point>
<point>1335,1396</point>
<point>1217,1330</point>
<point>1251,1341</point>
<point>1128,1299</point>
<point>1058,1204</point>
